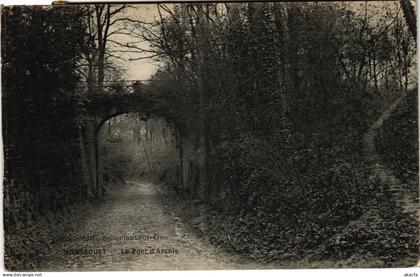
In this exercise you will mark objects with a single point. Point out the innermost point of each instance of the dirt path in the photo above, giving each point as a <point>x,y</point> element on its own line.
<point>159,240</point>
<point>137,211</point>
<point>403,198</point>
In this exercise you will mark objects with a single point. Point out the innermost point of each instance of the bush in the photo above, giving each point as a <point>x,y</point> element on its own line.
<point>286,199</point>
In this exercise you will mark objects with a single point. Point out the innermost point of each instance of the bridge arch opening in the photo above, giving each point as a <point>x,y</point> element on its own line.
<point>132,148</point>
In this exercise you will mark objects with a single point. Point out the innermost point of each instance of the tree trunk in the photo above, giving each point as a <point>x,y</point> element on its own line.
<point>410,17</point>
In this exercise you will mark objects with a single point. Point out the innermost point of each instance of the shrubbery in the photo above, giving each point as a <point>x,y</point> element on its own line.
<point>307,197</point>
<point>286,199</point>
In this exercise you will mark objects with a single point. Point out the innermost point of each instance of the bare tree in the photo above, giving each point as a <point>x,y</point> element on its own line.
<point>104,22</point>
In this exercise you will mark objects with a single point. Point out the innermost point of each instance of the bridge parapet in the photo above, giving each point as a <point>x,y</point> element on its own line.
<point>122,97</point>
<point>115,87</point>
<point>107,106</point>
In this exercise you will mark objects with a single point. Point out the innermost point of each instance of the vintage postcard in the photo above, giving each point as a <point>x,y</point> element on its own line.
<point>210,135</point>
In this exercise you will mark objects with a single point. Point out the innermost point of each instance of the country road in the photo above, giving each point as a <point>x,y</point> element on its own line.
<point>133,231</point>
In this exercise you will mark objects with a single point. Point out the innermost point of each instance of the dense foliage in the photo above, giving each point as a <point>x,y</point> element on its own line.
<point>278,97</point>
<point>40,106</point>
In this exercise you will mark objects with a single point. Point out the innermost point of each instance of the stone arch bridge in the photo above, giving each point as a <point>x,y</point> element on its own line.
<point>101,106</point>
<point>140,99</point>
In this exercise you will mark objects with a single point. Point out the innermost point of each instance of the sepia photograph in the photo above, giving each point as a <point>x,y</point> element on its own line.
<point>210,136</point>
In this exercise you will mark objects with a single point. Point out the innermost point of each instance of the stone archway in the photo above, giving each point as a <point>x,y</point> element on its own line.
<point>105,107</point>
<point>99,110</point>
